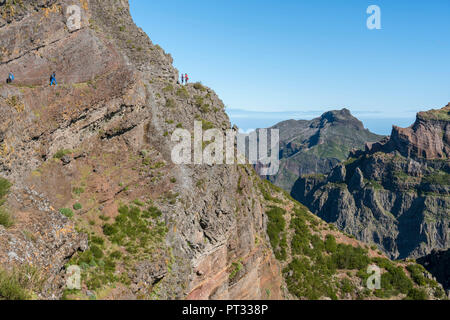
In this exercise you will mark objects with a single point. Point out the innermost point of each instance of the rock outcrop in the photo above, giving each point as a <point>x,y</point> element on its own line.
<point>437,263</point>
<point>395,193</point>
<point>316,146</point>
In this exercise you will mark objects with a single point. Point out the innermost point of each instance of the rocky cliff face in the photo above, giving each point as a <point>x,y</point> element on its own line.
<point>93,184</point>
<point>395,193</point>
<point>437,264</point>
<point>317,146</point>
<point>98,145</point>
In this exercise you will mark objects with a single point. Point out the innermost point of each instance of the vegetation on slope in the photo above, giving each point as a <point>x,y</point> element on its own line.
<point>439,114</point>
<point>321,263</point>
<point>20,283</point>
<point>5,217</point>
<point>135,235</point>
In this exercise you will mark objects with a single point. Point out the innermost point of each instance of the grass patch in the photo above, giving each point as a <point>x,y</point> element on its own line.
<point>206,125</point>
<point>138,232</point>
<point>78,190</point>
<point>439,178</point>
<point>20,283</point>
<point>267,196</point>
<point>61,153</point>
<point>236,268</point>
<point>182,93</point>
<point>199,86</point>
<point>170,103</point>
<point>6,219</point>
<point>168,88</point>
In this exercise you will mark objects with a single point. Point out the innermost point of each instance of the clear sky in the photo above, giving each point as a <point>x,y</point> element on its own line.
<point>271,60</point>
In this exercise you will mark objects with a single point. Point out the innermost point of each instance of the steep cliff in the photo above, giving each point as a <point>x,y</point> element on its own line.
<point>97,149</point>
<point>395,193</point>
<point>437,263</point>
<point>318,145</point>
<point>88,180</point>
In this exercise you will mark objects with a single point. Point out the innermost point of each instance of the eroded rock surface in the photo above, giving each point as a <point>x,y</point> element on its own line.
<point>101,140</point>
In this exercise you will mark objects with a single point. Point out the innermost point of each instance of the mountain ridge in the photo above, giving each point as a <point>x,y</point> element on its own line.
<point>316,146</point>
<point>399,187</point>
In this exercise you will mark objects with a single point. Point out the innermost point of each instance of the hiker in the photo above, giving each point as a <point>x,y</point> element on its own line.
<point>186,78</point>
<point>53,79</point>
<point>182,78</point>
<point>10,78</point>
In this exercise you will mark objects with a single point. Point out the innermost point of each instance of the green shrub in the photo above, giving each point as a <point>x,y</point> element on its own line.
<point>152,212</point>
<point>168,88</point>
<point>349,257</point>
<point>309,280</point>
<point>395,281</point>
<point>198,101</point>
<point>77,206</point>
<point>199,86</point>
<point>11,288</point>
<point>439,178</point>
<point>347,286</point>
<point>116,255</point>
<point>67,212</point>
<point>170,103</point>
<point>138,202</point>
<point>276,232</point>
<point>206,125</point>
<point>416,271</point>
<point>182,93</point>
<point>205,108</point>
<point>417,294</point>
<point>5,185</point>
<point>330,243</point>
<point>267,196</point>
<point>236,268</point>
<point>109,230</point>
<point>97,240</point>
<point>5,218</point>
<point>96,252</point>
<point>61,153</point>
<point>78,190</point>
<point>19,283</point>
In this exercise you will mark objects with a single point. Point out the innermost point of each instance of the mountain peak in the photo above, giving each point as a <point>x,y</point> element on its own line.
<point>343,113</point>
<point>340,116</point>
<point>428,137</point>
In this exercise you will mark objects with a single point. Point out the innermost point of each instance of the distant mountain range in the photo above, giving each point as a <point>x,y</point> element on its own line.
<point>318,145</point>
<point>395,194</point>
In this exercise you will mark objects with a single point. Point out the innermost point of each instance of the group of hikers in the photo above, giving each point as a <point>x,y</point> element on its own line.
<point>184,78</point>
<point>53,81</point>
<point>10,79</point>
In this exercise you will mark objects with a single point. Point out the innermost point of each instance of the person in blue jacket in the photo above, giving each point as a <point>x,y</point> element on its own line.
<point>10,78</point>
<point>53,79</point>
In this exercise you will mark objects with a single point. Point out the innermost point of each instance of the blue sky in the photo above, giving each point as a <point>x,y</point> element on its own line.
<point>273,60</point>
